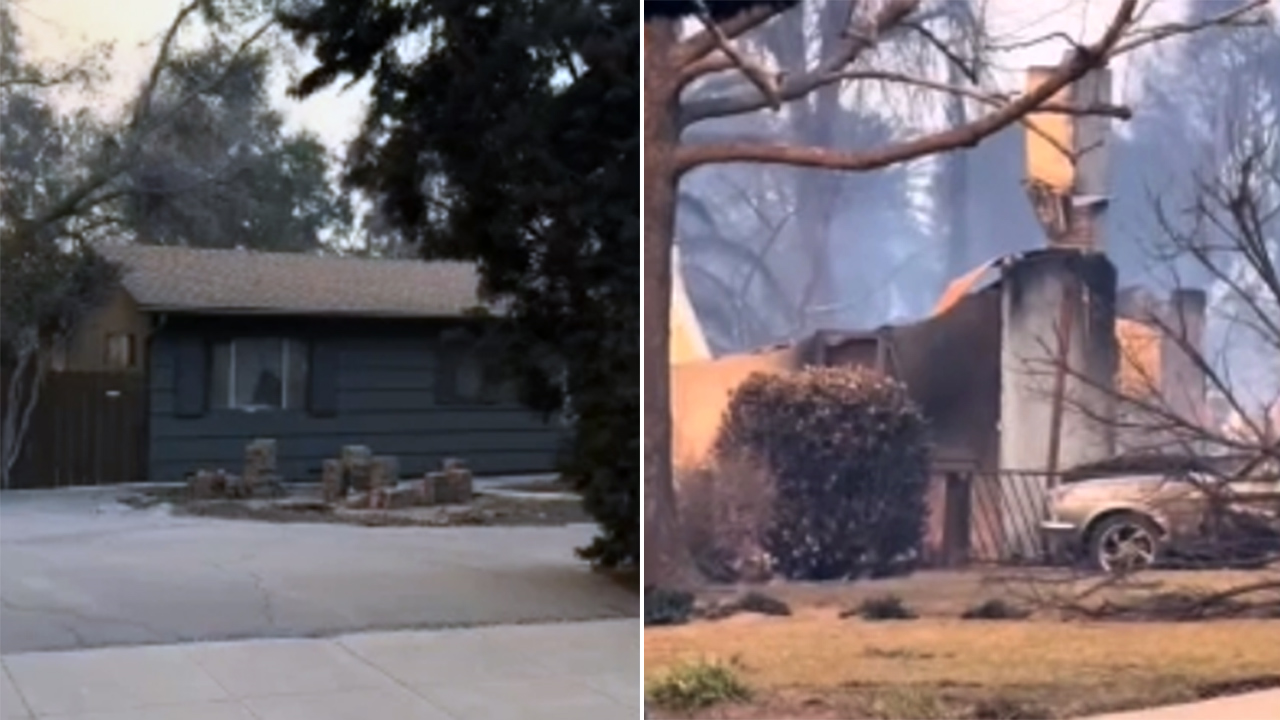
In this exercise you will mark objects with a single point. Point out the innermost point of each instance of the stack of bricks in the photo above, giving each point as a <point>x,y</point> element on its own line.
<point>332,486</point>
<point>384,472</point>
<point>450,486</point>
<point>357,465</point>
<point>209,484</point>
<point>259,464</point>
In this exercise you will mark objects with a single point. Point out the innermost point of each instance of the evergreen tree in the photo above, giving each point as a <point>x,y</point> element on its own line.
<point>506,132</point>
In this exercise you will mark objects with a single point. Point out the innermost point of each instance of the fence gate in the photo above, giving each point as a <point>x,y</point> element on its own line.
<point>86,429</point>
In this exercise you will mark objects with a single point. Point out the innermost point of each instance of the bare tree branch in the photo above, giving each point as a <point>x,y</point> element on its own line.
<point>856,41</point>
<point>1251,13</point>
<point>970,73</point>
<point>703,43</point>
<point>1072,68</point>
<point>142,108</point>
<point>765,82</point>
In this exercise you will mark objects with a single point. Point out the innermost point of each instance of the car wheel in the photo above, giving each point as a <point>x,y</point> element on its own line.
<point>1125,543</point>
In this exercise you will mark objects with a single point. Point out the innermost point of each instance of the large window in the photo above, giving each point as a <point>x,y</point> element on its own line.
<point>257,374</point>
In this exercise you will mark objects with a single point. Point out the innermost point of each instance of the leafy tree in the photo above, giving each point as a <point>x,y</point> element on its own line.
<point>73,179</point>
<point>505,132</point>
<point>223,173</point>
<point>699,47</point>
<point>47,280</point>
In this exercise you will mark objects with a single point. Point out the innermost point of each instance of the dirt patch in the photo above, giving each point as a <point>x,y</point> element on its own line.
<point>304,507</point>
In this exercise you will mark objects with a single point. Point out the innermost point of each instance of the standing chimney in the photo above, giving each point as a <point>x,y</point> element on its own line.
<point>1067,158</point>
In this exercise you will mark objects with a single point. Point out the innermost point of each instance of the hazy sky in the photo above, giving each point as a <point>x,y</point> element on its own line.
<point>56,29</point>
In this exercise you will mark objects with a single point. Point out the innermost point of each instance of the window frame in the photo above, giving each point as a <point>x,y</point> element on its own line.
<point>131,354</point>
<point>288,403</point>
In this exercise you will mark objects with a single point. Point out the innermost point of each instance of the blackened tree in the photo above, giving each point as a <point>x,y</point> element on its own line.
<point>506,132</point>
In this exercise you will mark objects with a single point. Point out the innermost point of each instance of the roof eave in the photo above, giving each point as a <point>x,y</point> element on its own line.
<point>309,312</point>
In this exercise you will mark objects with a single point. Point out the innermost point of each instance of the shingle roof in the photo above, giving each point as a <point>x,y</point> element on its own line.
<point>242,281</point>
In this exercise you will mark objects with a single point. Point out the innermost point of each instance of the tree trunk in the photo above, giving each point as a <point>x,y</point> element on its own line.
<point>18,409</point>
<point>666,559</point>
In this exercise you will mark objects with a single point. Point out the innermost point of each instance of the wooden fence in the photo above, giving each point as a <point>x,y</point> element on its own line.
<point>86,429</point>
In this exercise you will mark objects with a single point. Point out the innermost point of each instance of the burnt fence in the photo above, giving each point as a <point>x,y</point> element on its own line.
<point>996,518</point>
<point>86,429</point>
<point>987,517</point>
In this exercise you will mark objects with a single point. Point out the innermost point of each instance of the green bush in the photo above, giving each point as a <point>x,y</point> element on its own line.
<point>848,454</point>
<point>698,685</point>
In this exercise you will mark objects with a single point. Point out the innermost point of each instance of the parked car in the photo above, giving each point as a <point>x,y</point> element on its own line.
<point>1138,512</point>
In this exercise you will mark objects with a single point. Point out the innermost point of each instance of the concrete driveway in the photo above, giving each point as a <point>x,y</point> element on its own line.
<point>79,570</point>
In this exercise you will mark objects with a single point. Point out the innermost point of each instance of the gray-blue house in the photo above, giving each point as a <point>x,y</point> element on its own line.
<point>315,351</point>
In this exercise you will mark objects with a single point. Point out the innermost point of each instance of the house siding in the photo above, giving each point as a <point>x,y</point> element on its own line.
<point>386,398</point>
<point>86,348</point>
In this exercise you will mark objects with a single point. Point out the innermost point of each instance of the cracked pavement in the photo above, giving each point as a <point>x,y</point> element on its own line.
<point>78,570</point>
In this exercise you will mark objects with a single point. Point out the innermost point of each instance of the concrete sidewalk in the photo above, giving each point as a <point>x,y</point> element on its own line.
<point>1263,705</point>
<point>570,671</point>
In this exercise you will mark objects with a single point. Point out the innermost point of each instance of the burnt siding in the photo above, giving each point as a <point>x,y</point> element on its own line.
<point>951,366</point>
<point>385,397</point>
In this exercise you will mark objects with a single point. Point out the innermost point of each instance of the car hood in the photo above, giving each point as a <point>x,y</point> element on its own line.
<point>1128,486</point>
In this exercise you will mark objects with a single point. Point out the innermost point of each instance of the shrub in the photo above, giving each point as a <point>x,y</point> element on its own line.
<point>995,609</point>
<point>755,602</point>
<point>847,453</point>
<point>667,607</point>
<point>751,602</point>
<point>725,509</point>
<point>882,607</point>
<point>698,685</point>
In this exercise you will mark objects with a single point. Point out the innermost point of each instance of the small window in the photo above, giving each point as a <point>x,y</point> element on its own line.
<point>256,374</point>
<point>120,351</point>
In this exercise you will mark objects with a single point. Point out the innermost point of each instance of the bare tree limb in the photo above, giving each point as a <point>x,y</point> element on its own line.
<point>142,108</point>
<point>709,65</point>
<point>764,81</point>
<point>1072,68</point>
<point>703,43</point>
<point>970,73</point>
<point>1238,16</point>
<point>856,41</point>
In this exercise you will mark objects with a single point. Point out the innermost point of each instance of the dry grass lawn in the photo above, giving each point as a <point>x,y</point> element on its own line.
<point>949,593</point>
<point>816,665</point>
